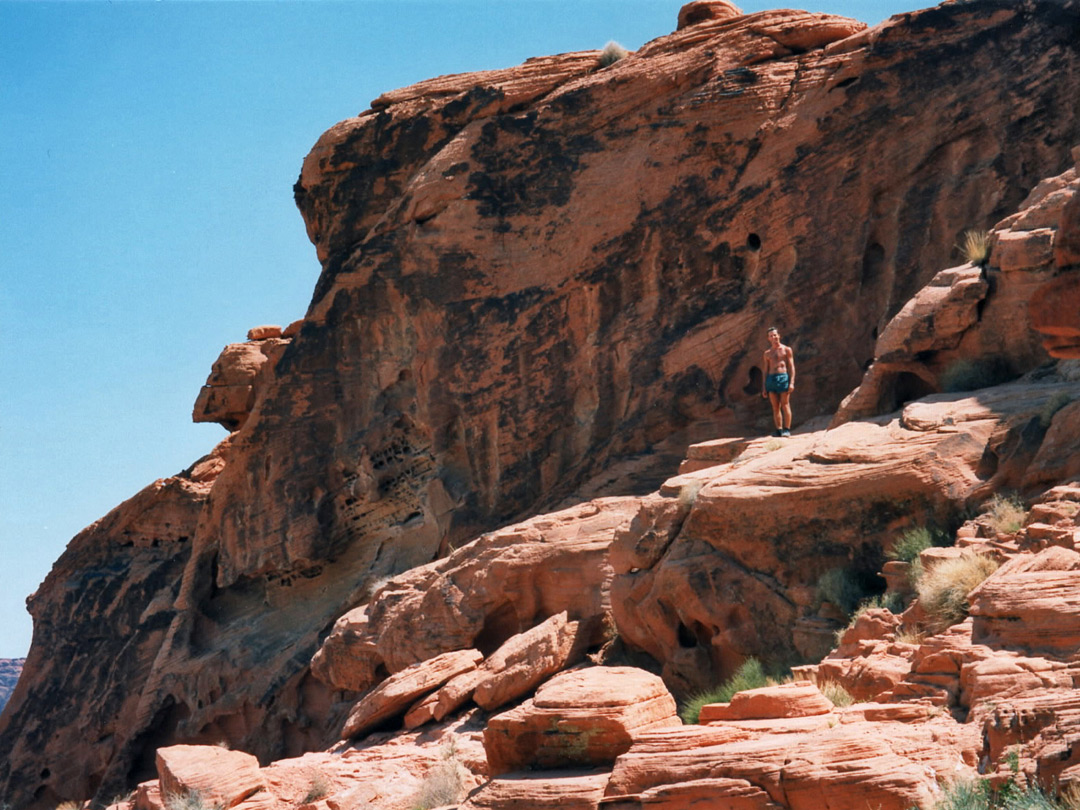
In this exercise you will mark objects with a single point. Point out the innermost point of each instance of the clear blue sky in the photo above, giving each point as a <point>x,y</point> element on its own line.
<point>146,216</point>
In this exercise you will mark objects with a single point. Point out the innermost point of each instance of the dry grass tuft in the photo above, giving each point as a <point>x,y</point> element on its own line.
<point>1006,513</point>
<point>943,589</point>
<point>975,247</point>
<point>612,53</point>
<point>836,693</point>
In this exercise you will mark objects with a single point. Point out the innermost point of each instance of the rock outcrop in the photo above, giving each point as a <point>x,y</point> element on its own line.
<point>529,275</point>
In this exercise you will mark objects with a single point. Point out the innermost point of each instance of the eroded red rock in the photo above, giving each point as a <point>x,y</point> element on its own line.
<point>585,717</point>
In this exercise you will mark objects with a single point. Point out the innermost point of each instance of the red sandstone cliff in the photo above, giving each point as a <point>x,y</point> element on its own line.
<point>528,275</point>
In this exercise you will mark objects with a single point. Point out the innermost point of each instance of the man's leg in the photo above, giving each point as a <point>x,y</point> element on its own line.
<point>785,409</point>
<point>777,417</point>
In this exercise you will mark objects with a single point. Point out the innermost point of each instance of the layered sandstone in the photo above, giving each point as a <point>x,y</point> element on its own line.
<point>529,274</point>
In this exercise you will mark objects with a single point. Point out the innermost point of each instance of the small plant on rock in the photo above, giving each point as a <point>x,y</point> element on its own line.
<point>836,693</point>
<point>751,675</point>
<point>612,53</point>
<point>943,589</point>
<point>444,783</point>
<point>318,789</point>
<point>975,247</point>
<point>1006,513</point>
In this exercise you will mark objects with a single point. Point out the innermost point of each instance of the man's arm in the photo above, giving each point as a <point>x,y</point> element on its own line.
<point>791,369</point>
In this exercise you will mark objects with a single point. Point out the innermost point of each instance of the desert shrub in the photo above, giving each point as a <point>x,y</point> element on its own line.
<point>971,375</point>
<point>318,789</point>
<point>975,247</point>
<point>836,693</point>
<point>1006,512</point>
<point>943,589</point>
<point>612,53</point>
<point>751,675</point>
<point>1052,406</point>
<point>841,587</point>
<point>911,542</point>
<point>443,784</point>
<point>980,795</point>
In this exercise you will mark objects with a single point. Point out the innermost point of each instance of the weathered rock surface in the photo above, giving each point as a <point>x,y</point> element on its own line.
<point>231,390</point>
<point>220,777</point>
<point>954,335</point>
<point>764,530</point>
<point>516,292</point>
<point>10,669</point>
<point>582,718</point>
<point>496,587</point>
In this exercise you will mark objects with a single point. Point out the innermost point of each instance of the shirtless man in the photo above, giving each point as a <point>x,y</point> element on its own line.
<point>779,382</point>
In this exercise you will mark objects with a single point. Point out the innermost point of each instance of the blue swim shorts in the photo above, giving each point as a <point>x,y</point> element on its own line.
<point>776,383</point>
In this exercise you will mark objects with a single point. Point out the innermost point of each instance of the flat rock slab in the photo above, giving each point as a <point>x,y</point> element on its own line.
<point>220,777</point>
<point>584,717</point>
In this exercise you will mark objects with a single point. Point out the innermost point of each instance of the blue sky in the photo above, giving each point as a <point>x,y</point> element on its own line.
<point>146,216</point>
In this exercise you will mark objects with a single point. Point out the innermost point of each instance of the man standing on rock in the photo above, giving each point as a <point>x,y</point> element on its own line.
<point>779,381</point>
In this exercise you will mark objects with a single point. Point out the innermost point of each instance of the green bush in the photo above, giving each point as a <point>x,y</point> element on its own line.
<point>911,542</point>
<point>943,589</point>
<point>751,675</point>
<point>841,587</point>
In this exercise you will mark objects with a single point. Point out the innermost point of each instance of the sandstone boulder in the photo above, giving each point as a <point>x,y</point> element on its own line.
<point>582,718</point>
<point>529,658</point>
<point>218,776</point>
<point>799,699</point>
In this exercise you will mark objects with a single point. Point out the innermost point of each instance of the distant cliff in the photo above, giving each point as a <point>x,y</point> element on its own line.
<point>10,669</point>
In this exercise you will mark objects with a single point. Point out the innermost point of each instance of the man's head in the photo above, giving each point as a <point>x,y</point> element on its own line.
<point>773,335</point>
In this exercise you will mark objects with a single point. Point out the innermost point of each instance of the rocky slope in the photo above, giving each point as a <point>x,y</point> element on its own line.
<point>10,668</point>
<point>985,695</point>
<point>529,276</point>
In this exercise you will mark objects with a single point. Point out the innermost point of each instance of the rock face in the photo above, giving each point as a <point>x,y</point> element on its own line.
<point>10,669</point>
<point>527,275</point>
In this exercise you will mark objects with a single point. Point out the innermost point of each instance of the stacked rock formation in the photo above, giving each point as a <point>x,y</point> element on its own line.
<point>530,275</point>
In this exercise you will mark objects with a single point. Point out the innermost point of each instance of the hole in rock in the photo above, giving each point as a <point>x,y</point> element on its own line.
<point>753,382</point>
<point>753,241</point>
<point>686,638</point>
